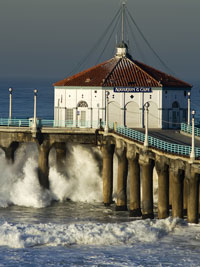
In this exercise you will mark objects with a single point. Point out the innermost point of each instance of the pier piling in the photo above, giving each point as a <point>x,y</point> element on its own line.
<point>146,165</point>
<point>163,187</point>
<point>121,177</point>
<point>107,173</point>
<point>43,164</point>
<point>193,198</point>
<point>134,176</point>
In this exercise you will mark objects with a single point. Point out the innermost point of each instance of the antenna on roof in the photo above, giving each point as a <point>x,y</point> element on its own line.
<point>123,13</point>
<point>122,47</point>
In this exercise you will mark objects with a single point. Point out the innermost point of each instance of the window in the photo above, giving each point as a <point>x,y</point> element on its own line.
<point>82,104</point>
<point>175,104</point>
<point>69,115</point>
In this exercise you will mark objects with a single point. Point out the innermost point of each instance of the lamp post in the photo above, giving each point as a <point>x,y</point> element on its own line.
<point>188,118</point>
<point>192,154</point>
<point>35,107</point>
<point>106,124</point>
<point>10,104</point>
<point>146,124</point>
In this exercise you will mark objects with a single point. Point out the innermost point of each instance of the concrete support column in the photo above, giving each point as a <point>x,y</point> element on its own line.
<point>43,164</point>
<point>134,175</point>
<point>163,187</point>
<point>146,165</point>
<point>60,156</point>
<point>177,191</point>
<point>170,186</point>
<point>10,152</point>
<point>122,176</point>
<point>107,153</point>
<point>199,200</point>
<point>185,188</point>
<point>193,198</point>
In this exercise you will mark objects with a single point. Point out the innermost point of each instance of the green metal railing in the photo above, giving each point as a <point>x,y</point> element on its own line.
<point>52,123</point>
<point>129,133</point>
<point>157,143</point>
<point>15,122</point>
<point>188,129</point>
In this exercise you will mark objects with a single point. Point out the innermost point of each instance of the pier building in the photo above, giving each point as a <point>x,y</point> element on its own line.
<point>120,87</point>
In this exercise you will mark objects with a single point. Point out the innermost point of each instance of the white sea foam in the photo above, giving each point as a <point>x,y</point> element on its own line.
<point>82,182</point>
<point>88,233</point>
<point>19,183</point>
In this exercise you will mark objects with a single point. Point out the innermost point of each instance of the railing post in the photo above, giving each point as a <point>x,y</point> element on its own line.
<point>10,105</point>
<point>188,118</point>
<point>192,154</point>
<point>146,124</point>
<point>107,124</point>
<point>34,126</point>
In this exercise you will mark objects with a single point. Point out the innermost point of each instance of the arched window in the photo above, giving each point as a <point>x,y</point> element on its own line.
<point>82,104</point>
<point>175,104</point>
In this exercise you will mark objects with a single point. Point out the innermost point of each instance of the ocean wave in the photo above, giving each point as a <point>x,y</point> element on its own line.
<point>19,184</point>
<point>88,233</point>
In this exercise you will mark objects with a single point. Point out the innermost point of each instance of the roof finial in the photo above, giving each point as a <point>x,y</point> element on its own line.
<point>122,47</point>
<point>123,13</point>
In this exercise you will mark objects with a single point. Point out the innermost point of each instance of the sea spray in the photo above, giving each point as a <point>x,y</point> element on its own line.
<point>81,182</point>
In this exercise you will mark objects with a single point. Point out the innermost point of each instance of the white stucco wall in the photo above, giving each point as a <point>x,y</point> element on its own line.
<point>121,106</point>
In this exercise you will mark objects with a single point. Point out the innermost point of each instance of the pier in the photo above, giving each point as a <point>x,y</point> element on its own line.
<point>178,173</point>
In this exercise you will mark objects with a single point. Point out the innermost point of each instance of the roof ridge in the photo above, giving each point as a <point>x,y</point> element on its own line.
<point>83,72</point>
<point>162,72</point>
<point>133,62</point>
<point>110,73</point>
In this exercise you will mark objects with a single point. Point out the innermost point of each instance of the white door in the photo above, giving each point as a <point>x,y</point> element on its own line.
<point>82,118</point>
<point>82,114</point>
<point>114,113</point>
<point>132,115</point>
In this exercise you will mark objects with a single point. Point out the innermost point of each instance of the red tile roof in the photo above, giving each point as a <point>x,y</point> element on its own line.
<point>123,72</point>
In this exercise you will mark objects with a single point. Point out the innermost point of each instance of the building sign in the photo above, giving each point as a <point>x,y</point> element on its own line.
<point>132,90</point>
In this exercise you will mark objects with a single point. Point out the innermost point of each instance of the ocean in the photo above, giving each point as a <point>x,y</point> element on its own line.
<point>68,225</point>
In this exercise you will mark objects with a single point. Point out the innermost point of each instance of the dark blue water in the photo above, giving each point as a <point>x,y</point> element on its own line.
<point>23,98</point>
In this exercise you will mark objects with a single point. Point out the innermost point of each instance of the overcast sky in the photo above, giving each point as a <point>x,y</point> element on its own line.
<point>47,38</point>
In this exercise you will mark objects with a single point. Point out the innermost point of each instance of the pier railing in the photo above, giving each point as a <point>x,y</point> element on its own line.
<point>162,145</point>
<point>188,129</point>
<point>52,123</point>
<point>158,143</point>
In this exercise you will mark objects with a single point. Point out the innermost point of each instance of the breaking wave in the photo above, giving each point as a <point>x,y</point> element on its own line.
<point>19,185</point>
<point>90,233</point>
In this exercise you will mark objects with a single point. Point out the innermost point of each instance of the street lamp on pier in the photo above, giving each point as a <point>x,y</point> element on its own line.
<point>146,106</point>
<point>106,124</point>
<point>35,107</point>
<point>192,154</point>
<point>188,117</point>
<point>10,104</point>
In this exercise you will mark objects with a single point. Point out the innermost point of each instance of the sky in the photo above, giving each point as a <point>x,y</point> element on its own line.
<point>46,39</point>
